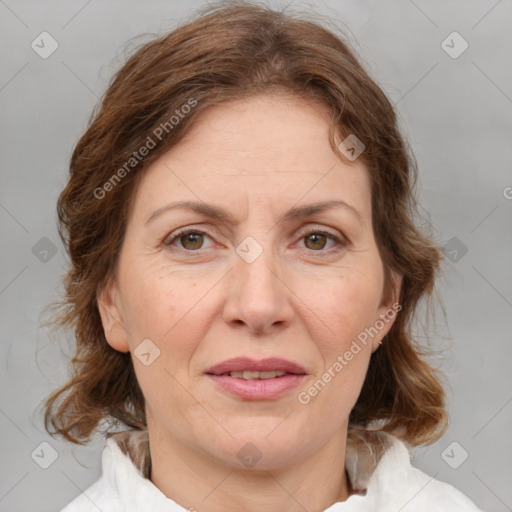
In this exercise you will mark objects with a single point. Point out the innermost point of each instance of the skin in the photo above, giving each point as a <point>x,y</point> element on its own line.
<point>200,303</point>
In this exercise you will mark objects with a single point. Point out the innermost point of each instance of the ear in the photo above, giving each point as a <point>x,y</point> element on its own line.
<point>112,317</point>
<point>388,310</point>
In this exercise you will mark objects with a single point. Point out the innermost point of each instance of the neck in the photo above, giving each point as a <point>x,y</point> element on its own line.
<point>196,480</point>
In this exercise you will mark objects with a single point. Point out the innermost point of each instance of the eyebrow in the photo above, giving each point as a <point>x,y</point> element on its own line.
<point>223,216</point>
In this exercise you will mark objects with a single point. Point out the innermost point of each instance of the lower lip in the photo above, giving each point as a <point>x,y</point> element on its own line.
<point>258,389</point>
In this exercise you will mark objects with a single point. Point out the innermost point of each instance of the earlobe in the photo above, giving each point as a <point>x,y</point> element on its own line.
<point>112,318</point>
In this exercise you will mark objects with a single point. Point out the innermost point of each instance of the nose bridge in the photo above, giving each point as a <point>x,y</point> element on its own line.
<point>256,267</point>
<point>256,296</point>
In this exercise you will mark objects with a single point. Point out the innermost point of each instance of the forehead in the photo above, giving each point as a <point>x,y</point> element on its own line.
<point>268,150</point>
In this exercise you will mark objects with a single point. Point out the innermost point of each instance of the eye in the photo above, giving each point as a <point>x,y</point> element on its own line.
<point>190,239</point>
<point>316,240</point>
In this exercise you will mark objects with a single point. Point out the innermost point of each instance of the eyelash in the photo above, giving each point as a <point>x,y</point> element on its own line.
<point>340,242</point>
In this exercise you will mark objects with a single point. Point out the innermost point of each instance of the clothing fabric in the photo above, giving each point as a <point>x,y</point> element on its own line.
<point>378,466</point>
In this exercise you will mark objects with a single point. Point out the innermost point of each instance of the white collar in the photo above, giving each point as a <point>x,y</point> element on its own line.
<point>370,456</point>
<point>377,462</point>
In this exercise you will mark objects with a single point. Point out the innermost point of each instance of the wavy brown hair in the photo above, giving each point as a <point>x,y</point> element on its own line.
<point>230,51</point>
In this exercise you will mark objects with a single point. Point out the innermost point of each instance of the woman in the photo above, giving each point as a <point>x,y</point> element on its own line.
<point>244,271</point>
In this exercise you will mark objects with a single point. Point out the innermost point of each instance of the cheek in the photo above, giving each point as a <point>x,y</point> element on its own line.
<point>174,311</point>
<point>347,304</point>
<point>156,303</point>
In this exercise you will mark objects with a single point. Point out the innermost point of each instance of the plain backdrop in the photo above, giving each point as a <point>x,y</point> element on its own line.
<point>455,104</point>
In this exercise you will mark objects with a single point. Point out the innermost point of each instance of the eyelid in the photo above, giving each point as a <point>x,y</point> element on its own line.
<point>321,229</point>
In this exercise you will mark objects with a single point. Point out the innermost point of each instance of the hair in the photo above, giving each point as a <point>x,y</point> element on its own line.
<point>231,51</point>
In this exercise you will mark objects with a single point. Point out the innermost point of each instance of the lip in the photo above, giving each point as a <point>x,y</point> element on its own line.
<point>239,364</point>
<point>257,389</point>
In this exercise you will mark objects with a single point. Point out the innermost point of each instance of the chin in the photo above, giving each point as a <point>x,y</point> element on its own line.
<point>259,445</point>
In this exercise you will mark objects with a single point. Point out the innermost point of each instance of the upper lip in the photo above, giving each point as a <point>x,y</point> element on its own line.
<point>240,364</point>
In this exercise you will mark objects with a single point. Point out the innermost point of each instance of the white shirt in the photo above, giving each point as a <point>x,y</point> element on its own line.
<point>389,482</point>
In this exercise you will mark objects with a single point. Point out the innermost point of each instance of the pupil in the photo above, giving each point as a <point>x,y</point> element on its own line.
<point>315,239</point>
<point>194,239</point>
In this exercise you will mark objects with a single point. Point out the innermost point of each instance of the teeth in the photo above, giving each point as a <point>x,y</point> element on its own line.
<point>250,375</point>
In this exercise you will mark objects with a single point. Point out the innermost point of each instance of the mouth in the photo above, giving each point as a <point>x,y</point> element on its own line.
<point>252,375</point>
<point>250,379</point>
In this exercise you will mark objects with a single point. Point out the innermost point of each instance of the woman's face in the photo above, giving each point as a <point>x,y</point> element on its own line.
<point>270,286</point>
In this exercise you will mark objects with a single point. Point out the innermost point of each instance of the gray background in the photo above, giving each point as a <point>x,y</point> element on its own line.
<point>456,113</point>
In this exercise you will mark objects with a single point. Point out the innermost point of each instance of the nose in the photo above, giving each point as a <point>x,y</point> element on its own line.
<point>258,297</point>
